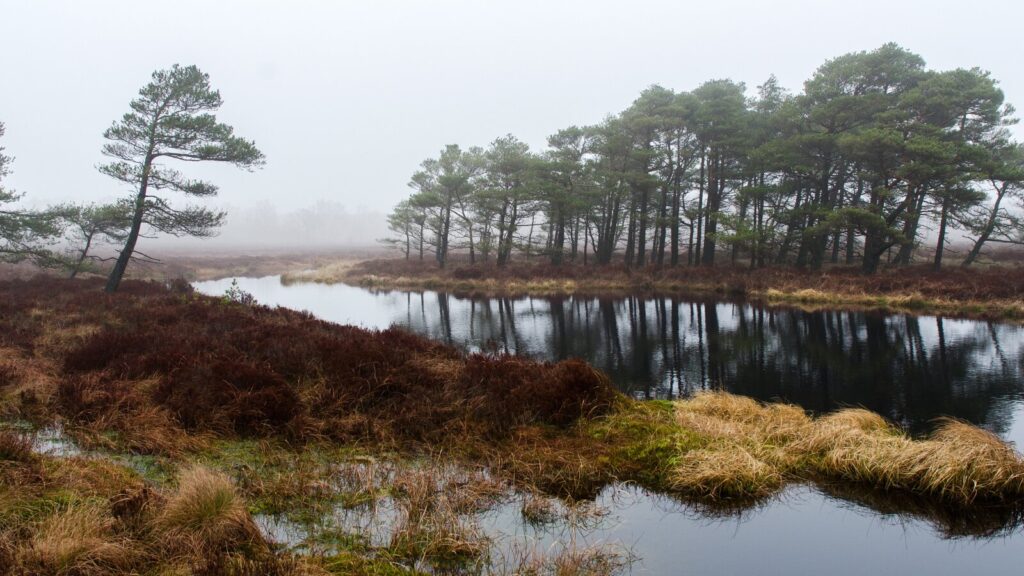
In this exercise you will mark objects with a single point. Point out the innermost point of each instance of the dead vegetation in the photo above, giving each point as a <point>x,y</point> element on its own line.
<point>76,516</point>
<point>165,370</point>
<point>992,292</point>
<point>754,448</point>
<point>235,410</point>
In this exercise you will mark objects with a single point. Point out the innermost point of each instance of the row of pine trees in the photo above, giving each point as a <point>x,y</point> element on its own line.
<point>875,157</point>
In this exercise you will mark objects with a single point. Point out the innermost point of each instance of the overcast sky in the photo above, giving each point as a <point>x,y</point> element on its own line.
<point>346,98</point>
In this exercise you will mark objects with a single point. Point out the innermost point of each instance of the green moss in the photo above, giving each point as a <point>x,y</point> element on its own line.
<point>154,469</point>
<point>646,442</point>
<point>278,480</point>
<point>359,565</point>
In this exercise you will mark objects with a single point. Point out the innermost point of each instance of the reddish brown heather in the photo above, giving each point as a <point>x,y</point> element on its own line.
<point>953,283</point>
<point>206,365</point>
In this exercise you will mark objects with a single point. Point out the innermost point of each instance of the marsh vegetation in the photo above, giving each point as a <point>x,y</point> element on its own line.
<point>204,427</point>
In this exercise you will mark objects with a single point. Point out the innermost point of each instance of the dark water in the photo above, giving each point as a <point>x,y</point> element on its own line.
<point>912,369</point>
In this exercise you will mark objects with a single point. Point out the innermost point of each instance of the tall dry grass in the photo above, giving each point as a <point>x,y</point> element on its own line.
<point>985,292</point>
<point>15,447</point>
<point>85,516</point>
<point>206,515</point>
<point>76,541</point>
<point>754,449</point>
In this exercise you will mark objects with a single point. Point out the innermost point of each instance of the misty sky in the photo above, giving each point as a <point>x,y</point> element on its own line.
<point>346,98</point>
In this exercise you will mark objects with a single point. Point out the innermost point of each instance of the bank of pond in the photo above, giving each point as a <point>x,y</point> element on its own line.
<point>163,431</point>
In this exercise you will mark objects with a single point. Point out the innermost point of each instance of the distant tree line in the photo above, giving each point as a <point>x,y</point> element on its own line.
<point>856,169</point>
<point>171,120</point>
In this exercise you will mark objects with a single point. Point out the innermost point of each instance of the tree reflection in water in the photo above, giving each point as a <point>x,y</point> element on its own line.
<point>911,369</point>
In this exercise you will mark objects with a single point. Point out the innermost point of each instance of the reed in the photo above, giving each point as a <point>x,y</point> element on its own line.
<point>433,530</point>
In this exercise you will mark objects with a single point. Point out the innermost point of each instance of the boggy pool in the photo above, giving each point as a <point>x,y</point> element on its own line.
<point>912,369</point>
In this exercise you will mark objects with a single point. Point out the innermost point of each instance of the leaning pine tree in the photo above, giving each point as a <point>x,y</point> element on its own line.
<point>171,120</point>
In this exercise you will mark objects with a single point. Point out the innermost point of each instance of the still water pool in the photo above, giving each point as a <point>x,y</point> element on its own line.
<point>912,369</point>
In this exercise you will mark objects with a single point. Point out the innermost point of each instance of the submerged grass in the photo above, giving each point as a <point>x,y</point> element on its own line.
<point>81,516</point>
<point>236,411</point>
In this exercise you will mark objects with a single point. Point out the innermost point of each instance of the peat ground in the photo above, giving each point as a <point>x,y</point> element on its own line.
<point>995,291</point>
<point>197,414</point>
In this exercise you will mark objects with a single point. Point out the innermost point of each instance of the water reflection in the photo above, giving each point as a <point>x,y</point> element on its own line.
<point>910,368</point>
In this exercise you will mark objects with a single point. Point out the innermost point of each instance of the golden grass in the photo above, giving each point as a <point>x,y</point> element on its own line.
<point>755,449</point>
<point>488,286</point>
<point>207,514</point>
<point>913,302</point>
<point>776,287</point>
<point>728,472</point>
<point>959,463</point>
<point>323,274</point>
<point>76,541</point>
<point>86,516</point>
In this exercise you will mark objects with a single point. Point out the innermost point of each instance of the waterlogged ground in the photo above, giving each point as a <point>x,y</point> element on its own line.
<point>803,531</point>
<point>911,369</point>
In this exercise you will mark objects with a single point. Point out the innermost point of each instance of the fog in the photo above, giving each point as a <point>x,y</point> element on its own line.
<point>261,225</point>
<point>346,98</point>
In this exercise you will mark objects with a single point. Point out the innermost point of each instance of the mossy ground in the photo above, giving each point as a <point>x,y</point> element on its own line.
<point>265,413</point>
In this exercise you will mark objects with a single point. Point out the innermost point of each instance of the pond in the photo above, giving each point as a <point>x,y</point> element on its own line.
<point>912,369</point>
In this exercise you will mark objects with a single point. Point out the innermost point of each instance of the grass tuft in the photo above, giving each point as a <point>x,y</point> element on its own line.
<point>730,473</point>
<point>207,514</point>
<point>15,447</point>
<point>75,541</point>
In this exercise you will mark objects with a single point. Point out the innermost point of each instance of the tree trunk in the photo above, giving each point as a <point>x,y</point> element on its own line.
<point>990,225</point>
<point>851,238</point>
<point>114,280</point>
<point>910,230</point>
<point>940,245</point>
<point>675,226</point>
<point>700,212</point>
<point>442,242</point>
<point>715,183</point>
<point>558,244</point>
<point>81,257</point>
<point>631,236</point>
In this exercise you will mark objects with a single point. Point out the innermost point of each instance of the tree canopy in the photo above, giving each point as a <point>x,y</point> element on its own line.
<point>874,153</point>
<point>171,120</point>
<point>24,234</point>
